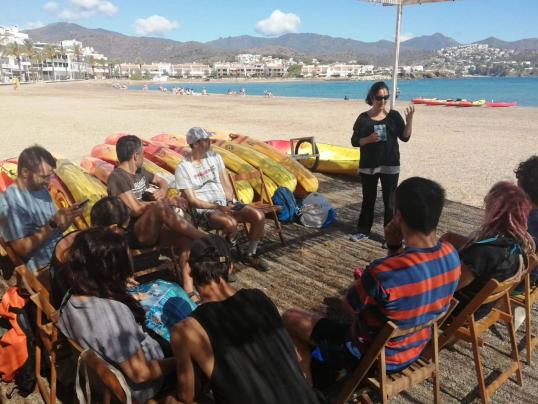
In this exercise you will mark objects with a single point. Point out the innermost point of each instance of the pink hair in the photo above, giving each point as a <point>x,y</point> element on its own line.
<point>507,209</point>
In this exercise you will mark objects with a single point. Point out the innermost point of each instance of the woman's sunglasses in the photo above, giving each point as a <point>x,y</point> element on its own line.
<point>381,97</point>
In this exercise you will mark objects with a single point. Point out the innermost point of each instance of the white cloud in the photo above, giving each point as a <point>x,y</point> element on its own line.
<point>51,7</point>
<point>33,25</point>
<point>82,9</point>
<point>155,24</point>
<point>406,36</point>
<point>278,23</point>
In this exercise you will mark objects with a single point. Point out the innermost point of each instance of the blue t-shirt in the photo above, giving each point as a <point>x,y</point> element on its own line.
<point>26,212</point>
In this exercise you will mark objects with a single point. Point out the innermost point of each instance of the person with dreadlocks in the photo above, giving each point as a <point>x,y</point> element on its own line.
<point>99,313</point>
<point>493,251</point>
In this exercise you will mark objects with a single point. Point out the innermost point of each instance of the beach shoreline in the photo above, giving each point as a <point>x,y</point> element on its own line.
<point>467,150</point>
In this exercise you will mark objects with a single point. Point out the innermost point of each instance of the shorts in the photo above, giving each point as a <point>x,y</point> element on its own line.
<point>132,240</point>
<point>333,341</point>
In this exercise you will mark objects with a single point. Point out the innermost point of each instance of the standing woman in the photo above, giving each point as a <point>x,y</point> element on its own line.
<point>376,132</point>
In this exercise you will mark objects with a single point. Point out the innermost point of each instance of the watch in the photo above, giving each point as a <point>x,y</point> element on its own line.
<point>53,225</point>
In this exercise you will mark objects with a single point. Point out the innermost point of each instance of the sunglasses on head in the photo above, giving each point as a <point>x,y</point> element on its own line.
<point>381,97</point>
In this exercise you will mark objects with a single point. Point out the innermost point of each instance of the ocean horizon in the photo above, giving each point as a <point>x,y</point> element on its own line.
<point>523,90</point>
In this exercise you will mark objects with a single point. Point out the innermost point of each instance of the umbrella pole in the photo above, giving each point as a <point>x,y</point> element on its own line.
<point>396,55</point>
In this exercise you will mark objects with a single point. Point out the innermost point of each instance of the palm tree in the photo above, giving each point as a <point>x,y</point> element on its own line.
<point>29,50</point>
<point>13,49</point>
<point>91,62</point>
<point>139,61</point>
<point>49,51</point>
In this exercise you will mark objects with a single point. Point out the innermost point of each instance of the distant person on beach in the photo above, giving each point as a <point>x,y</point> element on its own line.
<point>236,339</point>
<point>493,251</point>
<point>34,225</point>
<point>153,221</point>
<point>16,83</point>
<point>204,180</point>
<point>383,293</point>
<point>100,314</point>
<point>376,132</point>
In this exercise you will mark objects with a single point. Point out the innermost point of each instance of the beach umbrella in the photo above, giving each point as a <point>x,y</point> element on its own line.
<point>400,5</point>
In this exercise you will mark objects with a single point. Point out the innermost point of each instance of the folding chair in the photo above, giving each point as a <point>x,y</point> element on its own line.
<point>389,385</point>
<point>266,208</point>
<point>46,330</point>
<point>526,301</point>
<point>464,326</point>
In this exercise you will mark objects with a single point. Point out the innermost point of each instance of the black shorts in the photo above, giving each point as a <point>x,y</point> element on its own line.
<point>332,339</point>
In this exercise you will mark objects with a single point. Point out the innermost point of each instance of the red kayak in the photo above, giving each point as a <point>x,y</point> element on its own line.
<point>500,104</point>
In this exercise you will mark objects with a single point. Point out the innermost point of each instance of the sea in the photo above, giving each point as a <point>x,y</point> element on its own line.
<point>523,90</point>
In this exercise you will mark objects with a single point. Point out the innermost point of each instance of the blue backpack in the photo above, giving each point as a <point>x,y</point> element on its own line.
<point>284,198</point>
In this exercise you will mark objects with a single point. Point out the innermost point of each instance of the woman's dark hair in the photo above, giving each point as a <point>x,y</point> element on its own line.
<point>209,260</point>
<point>99,264</point>
<point>372,92</point>
<point>108,211</point>
<point>127,146</point>
<point>420,202</point>
<point>31,157</point>
<point>527,175</point>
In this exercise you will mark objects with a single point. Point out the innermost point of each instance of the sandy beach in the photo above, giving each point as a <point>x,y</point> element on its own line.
<point>466,149</point>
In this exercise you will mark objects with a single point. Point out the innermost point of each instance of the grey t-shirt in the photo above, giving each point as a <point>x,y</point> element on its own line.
<point>109,328</point>
<point>120,181</point>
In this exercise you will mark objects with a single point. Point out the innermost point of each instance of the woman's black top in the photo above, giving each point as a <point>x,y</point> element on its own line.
<point>255,360</point>
<point>382,153</point>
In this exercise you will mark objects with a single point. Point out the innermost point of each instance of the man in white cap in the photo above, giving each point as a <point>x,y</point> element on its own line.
<point>205,183</point>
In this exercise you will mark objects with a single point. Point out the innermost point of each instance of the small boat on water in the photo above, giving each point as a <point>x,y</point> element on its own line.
<point>432,102</point>
<point>500,104</point>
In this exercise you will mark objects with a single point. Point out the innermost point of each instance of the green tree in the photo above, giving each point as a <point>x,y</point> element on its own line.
<point>15,50</point>
<point>77,52</point>
<point>49,52</point>
<point>295,70</point>
<point>139,61</point>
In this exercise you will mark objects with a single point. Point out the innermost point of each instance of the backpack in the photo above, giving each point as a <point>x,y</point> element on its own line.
<point>284,198</point>
<point>17,344</point>
<point>316,211</point>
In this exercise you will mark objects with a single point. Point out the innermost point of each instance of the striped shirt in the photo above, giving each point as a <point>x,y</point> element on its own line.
<point>408,289</point>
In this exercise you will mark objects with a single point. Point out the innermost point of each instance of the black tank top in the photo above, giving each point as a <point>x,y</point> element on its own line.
<point>255,360</point>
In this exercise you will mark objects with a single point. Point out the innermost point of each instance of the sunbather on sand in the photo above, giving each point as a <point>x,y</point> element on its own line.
<point>152,219</point>
<point>236,339</point>
<point>410,287</point>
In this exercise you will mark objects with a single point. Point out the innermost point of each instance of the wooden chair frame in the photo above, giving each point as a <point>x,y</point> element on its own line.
<point>266,208</point>
<point>45,327</point>
<point>465,327</point>
<point>389,385</point>
<point>527,300</point>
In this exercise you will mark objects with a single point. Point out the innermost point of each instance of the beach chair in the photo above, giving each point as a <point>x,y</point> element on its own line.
<point>391,384</point>
<point>526,301</point>
<point>464,327</point>
<point>45,328</point>
<point>267,208</point>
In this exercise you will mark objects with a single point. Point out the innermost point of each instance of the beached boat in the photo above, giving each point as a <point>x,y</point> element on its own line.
<point>422,100</point>
<point>100,169</point>
<point>8,173</point>
<point>331,159</point>
<point>500,104</point>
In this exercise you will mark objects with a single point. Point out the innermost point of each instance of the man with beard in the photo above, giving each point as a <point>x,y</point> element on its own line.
<point>33,226</point>
<point>153,221</point>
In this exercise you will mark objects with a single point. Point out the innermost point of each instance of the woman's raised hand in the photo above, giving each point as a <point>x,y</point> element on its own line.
<point>409,112</point>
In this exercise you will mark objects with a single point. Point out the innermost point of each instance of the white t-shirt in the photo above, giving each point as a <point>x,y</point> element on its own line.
<point>203,178</point>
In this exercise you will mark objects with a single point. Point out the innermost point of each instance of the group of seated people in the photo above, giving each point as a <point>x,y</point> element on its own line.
<point>235,342</point>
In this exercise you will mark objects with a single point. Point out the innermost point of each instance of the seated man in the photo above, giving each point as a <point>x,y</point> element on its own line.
<point>409,287</point>
<point>33,225</point>
<point>236,339</point>
<point>152,222</point>
<point>205,183</point>
<point>527,179</point>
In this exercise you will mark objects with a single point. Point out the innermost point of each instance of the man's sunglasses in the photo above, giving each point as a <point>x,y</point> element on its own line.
<point>381,97</point>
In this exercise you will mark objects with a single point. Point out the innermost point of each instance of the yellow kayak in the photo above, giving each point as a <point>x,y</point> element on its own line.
<point>280,176</point>
<point>239,166</point>
<point>332,159</point>
<point>81,186</point>
<point>306,181</point>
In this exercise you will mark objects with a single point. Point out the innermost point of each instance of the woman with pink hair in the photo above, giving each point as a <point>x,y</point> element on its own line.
<point>492,252</point>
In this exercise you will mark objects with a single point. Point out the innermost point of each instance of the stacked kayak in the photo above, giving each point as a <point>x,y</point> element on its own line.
<point>448,102</point>
<point>8,173</point>
<point>500,104</point>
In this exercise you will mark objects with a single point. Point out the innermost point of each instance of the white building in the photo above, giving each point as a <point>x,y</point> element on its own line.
<point>247,58</point>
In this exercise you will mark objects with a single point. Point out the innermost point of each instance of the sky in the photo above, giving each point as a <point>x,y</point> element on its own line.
<point>204,20</point>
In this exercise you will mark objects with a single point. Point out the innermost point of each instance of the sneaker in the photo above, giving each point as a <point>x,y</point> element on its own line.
<point>255,262</point>
<point>384,245</point>
<point>358,237</point>
<point>519,317</point>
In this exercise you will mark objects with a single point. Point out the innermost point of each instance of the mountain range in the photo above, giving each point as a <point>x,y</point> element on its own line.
<point>300,46</point>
